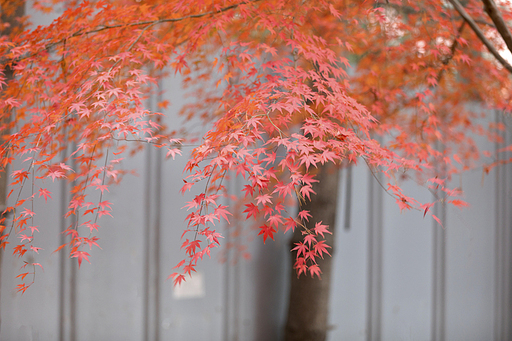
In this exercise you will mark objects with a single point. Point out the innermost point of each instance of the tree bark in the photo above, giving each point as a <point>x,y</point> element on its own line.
<point>459,8</point>
<point>308,308</point>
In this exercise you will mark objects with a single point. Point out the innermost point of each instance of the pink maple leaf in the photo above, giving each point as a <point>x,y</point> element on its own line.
<point>315,270</point>
<point>35,249</point>
<point>321,229</point>
<point>80,255</point>
<point>262,199</point>
<point>43,192</point>
<point>320,248</point>
<point>301,248</point>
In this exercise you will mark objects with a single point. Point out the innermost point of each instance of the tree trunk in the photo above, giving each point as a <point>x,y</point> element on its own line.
<point>308,309</point>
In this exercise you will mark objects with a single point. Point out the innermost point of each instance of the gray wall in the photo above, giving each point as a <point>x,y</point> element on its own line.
<point>403,277</point>
<point>398,276</point>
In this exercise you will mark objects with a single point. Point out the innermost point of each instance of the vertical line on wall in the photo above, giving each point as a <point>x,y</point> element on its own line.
<point>507,250</point>
<point>500,259</point>
<point>152,235</point>
<point>147,242</point>
<point>438,310</point>
<point>225,332</point>
<point>157,230</point>
<point>439,275</point>
<point>228,299</point>
<point>236,299</point>
<point>73,302</point>
<point>236,275</point>
<point>374,261</point>
<point>62,259</point>
<point>497,245</point>
<point>67,270</point>
<point>503,240</point>
<point>505,259</point>
<point>73,271</point>
<point>378,260</point>
<point>348,197</point>
<point>156,243</point>
<point>498,301</point>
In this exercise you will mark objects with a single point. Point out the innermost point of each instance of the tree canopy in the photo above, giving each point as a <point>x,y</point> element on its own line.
<point>287,86</point>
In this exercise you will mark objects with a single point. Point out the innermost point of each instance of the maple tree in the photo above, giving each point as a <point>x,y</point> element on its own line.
<point>288,87</point>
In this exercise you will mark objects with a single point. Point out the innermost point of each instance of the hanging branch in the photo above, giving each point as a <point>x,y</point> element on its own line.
<point>480,34</point>
<point>497,19</point>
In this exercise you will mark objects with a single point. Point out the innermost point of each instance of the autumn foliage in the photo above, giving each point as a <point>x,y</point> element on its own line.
<point>286,85</point>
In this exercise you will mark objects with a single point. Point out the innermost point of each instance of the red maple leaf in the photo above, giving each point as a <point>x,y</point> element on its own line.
<point>251,210</point>
<point>267,232</point>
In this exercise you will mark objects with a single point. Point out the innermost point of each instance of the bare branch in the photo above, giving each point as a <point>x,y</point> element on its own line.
<point>483,22</point>
<point>480,34</point>
<point>497,19</point>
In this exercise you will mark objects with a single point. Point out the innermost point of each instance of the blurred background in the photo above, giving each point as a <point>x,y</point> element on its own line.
<point>396,275</point>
